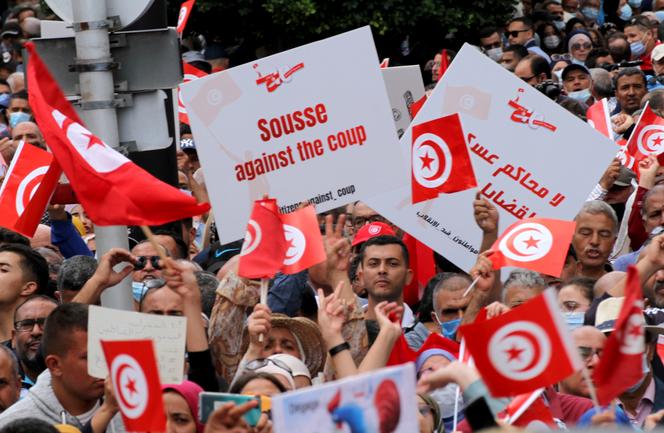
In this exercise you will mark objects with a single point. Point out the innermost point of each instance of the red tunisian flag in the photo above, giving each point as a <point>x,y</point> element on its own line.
<point>133,370</point>
<point>27,189</point>
<point>191,73</point>
<point>304,242</point>
<point>440,162</point>
<point>648,136</point>
<point>524,349</point>
<point>264,247</point>
<point>624,347</point>
<point>402,353</point>
<point>598,117</point>
<point>538,244</point>
<point>527,408</point>
<point>423,266</point>
<point>183,16</point>
<point>112,189</point>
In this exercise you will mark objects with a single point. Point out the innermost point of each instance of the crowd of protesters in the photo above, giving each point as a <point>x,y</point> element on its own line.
<point>337,319</point>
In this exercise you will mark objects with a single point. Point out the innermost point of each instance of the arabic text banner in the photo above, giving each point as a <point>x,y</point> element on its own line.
<point>312,123</point>
<point>380,401</point>
<point>531,158</point>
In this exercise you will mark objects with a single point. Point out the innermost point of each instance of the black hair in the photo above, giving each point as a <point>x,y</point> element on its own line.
<point>539,65</point>
<point>207,282</point>
<point>33,264</point>
<point>34,298</point>
<point>629,72</point>
<point>591,60</point>
<point>385,240</point>
<point>519,50</point>
<point>585,284</point>
<point>485,32</point>
<point>523,20</point>
<point>243,380</point>
<point>28,425</point>
<point>21,94</point>
<point>183,250</point>
<point>75,272</point>
<point>10,237</point>
<point>60,325</point>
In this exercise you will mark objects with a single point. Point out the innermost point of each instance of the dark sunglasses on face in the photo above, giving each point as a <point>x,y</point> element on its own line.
<point>141,261</point>
<point>585,46</point>
<point>514,33</point>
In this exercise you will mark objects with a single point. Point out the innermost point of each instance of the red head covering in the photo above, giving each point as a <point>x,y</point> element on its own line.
<point>189,391</point>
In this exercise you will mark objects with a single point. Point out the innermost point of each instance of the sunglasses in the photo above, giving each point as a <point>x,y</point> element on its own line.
<point>514,33</point>
<point>559,57</point>
<point>585,46</point>
<point>141,261</point>
<point>28,325</point>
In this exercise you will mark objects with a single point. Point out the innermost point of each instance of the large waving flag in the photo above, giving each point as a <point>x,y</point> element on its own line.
<point>112,189</point>
<point>648,136</point>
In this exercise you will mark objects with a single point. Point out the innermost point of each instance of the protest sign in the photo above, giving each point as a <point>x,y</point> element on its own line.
<point>404,87</point>
<point>381,401</point>
<point>167,332</point>
<point>312,123</point>
<point>531,158</point>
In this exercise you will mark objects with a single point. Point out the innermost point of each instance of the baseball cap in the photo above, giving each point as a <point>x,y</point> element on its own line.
<point>657,53</point>
<point>607,314</point>
<point>215,51</point>
<point>187,144</point>
<point>574,67</point>
<point>372,230</point>
<point>11,28</point>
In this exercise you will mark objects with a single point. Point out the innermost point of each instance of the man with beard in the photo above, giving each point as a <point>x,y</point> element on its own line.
<point>29,321</point>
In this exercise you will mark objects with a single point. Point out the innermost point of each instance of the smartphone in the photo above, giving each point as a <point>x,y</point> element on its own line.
<point>210,401</point>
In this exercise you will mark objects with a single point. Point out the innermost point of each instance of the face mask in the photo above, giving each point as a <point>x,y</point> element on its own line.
<point>646,369</point>
<point>660,15</point>
<point>18,117</point>
<point>138,290</point>
<point>580,95</point>
<point>559,75</point>
<point>449,328</point>
<point>578,62</point>
<point>445,398</point>
<point>574,319</point>
<point>638,48</point>
<point>625,13</point>
<point>590,13</point>
<point>560,24</point>
<point>568,16</point>
<point>4,99</point>
<point>551,42</point>
<point>634,3</point>
<point>494,53</point>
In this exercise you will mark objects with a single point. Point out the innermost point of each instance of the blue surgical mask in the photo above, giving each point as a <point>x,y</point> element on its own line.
<point>560,24</point>
<point>574,319</point>
<point>634,3</point>
<point>660,15</point>
<point>637,48</point>
<point>580,95</point>
<point>4,99</point>
<point>449,328</point>
<point>590,13</point>
<point>625,12</point>
<point>18,117</point>
<point>138,290</point>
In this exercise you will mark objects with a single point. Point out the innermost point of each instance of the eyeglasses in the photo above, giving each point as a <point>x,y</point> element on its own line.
<point>28,324</point>
<point>559,57</point>
<point>362,220</point>
<point>424,409</point>
<point>526,79</point>
<point>141,261</point>
<point>585,46</point>
<point>571,306</point>
<point>514,33</point>
<point>588,352</point>
<point>263,362</point>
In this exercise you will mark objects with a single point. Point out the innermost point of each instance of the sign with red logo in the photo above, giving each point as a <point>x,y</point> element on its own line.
<point>288,124</point>
<point>517,139</point>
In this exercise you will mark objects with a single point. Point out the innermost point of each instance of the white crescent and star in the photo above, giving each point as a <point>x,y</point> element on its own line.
<point>431,160</point>
<point>526,242</point>
<point>252,239</point>
<point>28,186</point>
<point>520,350</point>
<point>296,243</point>
<point>130,384</point>
<point>633,343</point>
<point>651,140</point>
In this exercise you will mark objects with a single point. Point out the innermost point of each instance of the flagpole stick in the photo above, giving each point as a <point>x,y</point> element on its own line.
<point>591,389</point>
<point>471,287</point>
<point>160,249</point>
<point>263,301</point>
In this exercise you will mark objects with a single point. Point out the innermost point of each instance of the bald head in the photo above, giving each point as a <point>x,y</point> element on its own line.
<point>42,236</point>
<point>607,282</point>
<point>586,334</point>
<point>28,132</point>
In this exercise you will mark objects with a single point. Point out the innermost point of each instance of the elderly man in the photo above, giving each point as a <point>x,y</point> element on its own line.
<point>533,69</point>
<point>642,39</point>
<point>10,380</point>
<point>590,342</point>
<point>521,286</point>
<point>594,236</point>
<point>449,304</point>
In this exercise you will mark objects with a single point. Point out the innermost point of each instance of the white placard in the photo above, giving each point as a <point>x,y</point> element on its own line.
<point>531,158</point>
<point>312,123</point>
<point>383,400</point>
<point>168,332</point>
<point>404,86</point>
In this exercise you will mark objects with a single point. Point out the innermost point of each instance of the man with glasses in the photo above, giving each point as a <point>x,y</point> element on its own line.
<point>533,70</point>
<point>520,32</point>
<point>29,321</point>
<point>363,215</point>
<point>590,342</point>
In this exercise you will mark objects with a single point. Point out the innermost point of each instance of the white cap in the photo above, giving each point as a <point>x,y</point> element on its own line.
<point>298,367</point>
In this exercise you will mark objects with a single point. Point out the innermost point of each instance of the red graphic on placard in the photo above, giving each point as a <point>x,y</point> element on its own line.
<point>522,114</point>
<point>275,79</point>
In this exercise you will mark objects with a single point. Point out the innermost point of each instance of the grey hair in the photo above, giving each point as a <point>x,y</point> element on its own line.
<point>446,277</point>
<point>654,190</point>
<point>75,272</point>
<point>208,284</point>
<point>524,278</point>
<point>596,207</point>
<point>12,360</point>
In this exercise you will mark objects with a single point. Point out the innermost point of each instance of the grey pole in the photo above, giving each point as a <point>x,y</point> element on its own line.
<point>94,64</point>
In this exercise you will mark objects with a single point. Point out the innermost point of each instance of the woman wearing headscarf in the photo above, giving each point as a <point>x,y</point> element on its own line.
<point>579,45</point>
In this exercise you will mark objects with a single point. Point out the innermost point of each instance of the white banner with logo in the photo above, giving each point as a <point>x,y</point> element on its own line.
<point>312,123</point>
<point>531,158</point>
<point>404,87</point>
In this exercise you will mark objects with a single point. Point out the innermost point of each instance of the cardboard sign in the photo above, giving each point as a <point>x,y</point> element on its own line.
<point>381,401</point>
<point>531,158</point>
<point>169,334</point>
<point>404,86</point>
<point>312,123</point>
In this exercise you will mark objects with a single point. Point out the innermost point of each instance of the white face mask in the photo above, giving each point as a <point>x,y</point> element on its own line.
<point>494,53</point>
<point>551,41</point>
